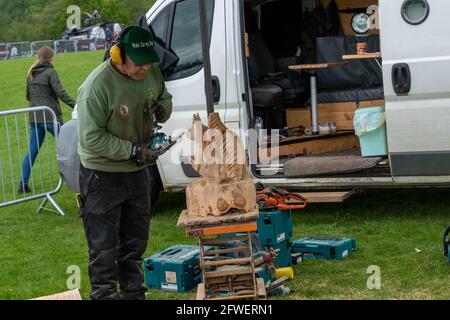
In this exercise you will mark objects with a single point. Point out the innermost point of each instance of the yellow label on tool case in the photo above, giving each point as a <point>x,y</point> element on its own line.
<point>171,277</point>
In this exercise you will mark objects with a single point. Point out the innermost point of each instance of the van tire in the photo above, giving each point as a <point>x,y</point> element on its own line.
<point>155,184</point>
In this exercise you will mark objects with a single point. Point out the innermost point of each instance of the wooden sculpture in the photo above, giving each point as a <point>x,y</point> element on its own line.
<point>219,159</point>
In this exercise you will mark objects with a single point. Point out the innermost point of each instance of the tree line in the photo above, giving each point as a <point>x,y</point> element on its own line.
<point>33,20</point>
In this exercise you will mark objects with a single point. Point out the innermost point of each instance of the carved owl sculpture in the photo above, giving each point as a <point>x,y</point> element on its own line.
<point>220,161</point>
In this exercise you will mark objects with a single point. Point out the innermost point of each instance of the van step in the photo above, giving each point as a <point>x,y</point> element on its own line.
<point>327,197</point>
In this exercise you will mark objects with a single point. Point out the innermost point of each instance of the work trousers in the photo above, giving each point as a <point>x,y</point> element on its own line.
<point>115,208</point>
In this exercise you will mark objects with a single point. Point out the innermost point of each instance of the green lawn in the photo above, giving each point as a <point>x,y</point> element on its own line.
<point>36,250</point>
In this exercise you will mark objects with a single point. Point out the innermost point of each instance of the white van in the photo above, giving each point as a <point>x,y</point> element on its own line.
<point>408,76</point>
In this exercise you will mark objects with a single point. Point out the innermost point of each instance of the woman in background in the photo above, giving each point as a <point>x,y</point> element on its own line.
<point>43,89</point>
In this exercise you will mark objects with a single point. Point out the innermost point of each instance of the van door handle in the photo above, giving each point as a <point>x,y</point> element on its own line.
<point>216,89</point>
<point>401,78</point>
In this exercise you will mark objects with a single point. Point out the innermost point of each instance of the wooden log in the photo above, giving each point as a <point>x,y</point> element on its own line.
<point>206,197</point>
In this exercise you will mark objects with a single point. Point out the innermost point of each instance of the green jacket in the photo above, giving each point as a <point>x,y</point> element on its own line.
<point>112,116</point>
<point>44,90</point>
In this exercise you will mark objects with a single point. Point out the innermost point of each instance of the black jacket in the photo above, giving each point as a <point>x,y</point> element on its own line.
<point>44,90</point>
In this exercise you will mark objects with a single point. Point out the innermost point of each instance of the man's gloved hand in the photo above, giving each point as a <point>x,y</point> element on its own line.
<point>142,154</point>
<point>154,107</point>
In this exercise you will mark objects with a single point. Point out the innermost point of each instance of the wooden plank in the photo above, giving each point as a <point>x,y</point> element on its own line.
<point>186,220</point>
<point>318,146</point>
<point>221,241</point>
<point>351,4</point>
<point>262,293</point>
<point>226,262</point>
<point>316,66</point>
<point>201,293</point>
<point>327,197</point>
<point>361,56</point>
<point>228,272</point>
<point>224,287</point>
<point>342,113</point>
<point>224,251</point>
<point>238,280</point>
<point>234,297</point>
<point>69,295</point>
<point>226,229</point>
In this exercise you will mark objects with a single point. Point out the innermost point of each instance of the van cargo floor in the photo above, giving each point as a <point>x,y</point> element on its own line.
<point>326,165</point>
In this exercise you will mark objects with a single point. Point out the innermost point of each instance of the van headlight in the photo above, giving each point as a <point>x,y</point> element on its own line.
<point>361,23</point>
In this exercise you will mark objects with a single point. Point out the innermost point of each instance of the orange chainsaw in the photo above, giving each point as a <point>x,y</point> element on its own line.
<point>272,198</point>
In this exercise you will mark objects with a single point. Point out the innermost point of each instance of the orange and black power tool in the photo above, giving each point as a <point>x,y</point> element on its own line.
<point>272,198</point>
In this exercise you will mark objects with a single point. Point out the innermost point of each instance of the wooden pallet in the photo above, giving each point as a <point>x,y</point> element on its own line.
<point>262,294</point>
<point>227,278</point>
<point>209,226</point>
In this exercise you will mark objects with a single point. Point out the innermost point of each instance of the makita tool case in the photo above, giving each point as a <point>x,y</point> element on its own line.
<point>174,269</point>
<point>324,248</point>
<point>274,227</point>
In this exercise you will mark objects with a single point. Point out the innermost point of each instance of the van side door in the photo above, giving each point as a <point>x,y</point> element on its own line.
<point>178,24</point>
<point>416,67</point>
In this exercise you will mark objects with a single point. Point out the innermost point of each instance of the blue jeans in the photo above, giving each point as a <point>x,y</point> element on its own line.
<point>37,135</point>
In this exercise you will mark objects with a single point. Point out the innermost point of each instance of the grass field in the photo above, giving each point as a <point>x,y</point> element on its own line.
<point>398,230</point>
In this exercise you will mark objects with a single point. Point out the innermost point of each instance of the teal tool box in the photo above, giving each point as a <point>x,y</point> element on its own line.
<point>274,227</point>
<point>176,269</point>
<point>275,232</point>
<point>324,248</point>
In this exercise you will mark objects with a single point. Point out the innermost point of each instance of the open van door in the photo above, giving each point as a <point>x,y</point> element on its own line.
<point>177,22</point>
<point>416,72</point>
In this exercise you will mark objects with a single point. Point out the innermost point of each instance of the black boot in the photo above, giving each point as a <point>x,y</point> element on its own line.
<point>23,188</point>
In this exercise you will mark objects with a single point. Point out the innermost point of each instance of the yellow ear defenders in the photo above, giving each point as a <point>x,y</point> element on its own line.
<point>116,53</point>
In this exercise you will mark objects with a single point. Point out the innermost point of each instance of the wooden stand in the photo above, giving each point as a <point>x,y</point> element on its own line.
<point>227,278</point>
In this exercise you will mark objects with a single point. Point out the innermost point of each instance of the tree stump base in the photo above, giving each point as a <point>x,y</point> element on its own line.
<point>205,197</point>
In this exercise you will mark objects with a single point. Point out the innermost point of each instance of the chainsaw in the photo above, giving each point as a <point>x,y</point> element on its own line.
<point>269,198</point>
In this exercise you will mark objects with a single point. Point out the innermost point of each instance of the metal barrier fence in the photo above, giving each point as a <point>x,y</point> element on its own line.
<point>36,45</point>
<point>23,136</point>
<point>18,49</point>
<point>65,46</point>
<point>27,49</point>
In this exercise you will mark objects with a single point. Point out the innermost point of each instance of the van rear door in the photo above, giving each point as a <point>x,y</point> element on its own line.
<point>416,71</point>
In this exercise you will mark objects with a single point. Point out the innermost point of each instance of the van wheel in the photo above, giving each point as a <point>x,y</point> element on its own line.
<point>155,184</point>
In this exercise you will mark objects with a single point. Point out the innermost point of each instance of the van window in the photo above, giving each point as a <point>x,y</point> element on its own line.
<point>186,39</point>
<point>159,24</point>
